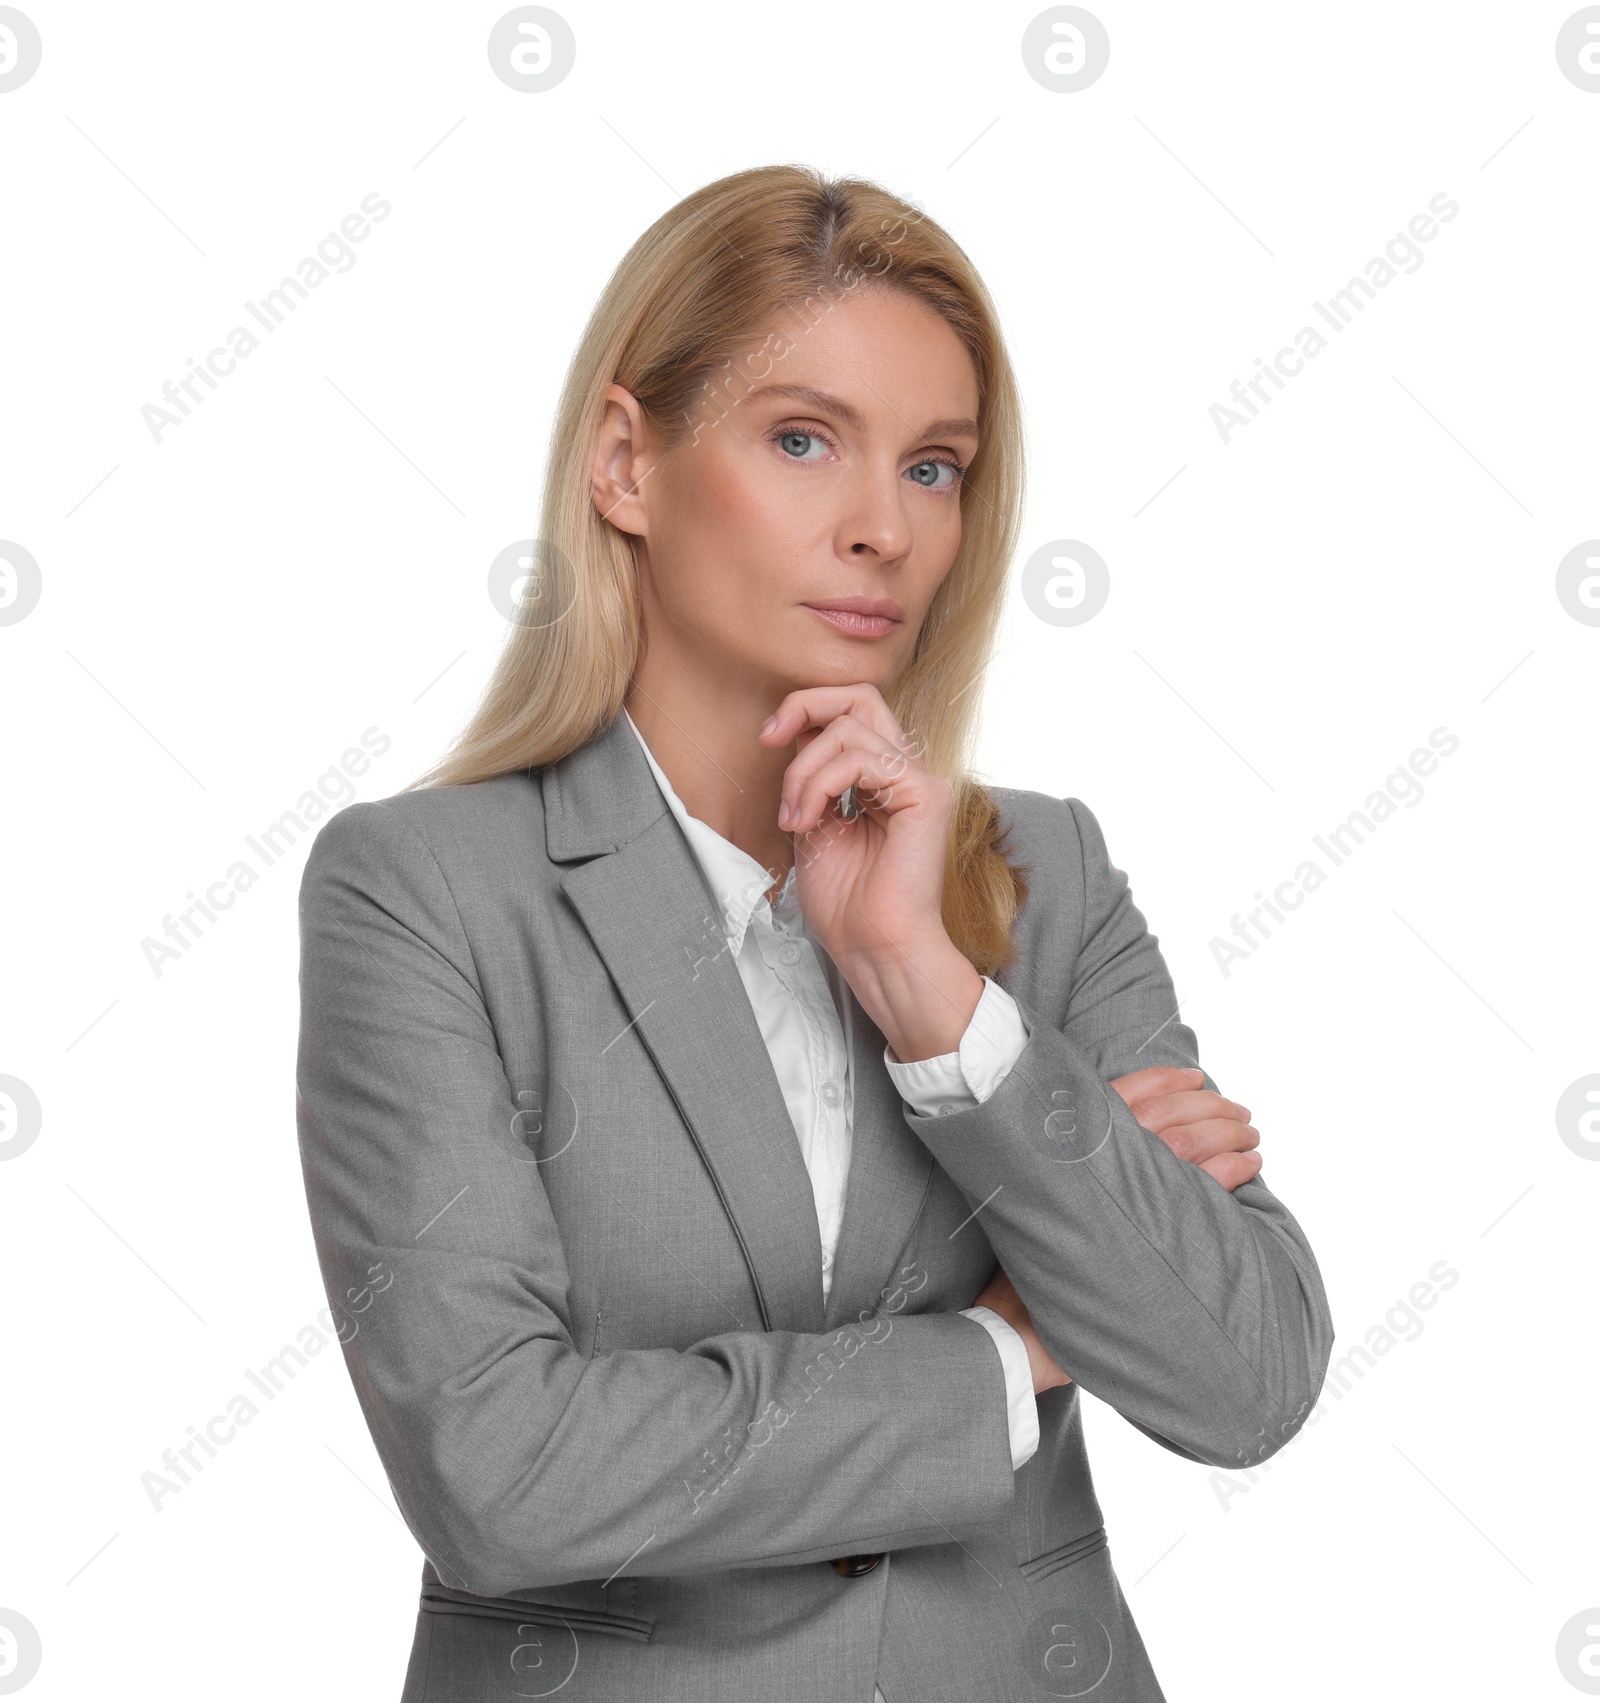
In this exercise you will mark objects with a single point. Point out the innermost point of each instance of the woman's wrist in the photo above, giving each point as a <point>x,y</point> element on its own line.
<point>921,996</point>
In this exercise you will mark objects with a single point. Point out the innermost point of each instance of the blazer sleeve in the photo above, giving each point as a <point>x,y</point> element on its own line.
<point>516,1460</point>
<point>1198,1313</point>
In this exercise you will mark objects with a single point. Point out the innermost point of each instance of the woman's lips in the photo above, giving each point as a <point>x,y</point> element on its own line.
<point>861,617</point>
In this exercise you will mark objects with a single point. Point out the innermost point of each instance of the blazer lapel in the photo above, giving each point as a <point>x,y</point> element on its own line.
<point>644,901</point>
<point>889,1174</point>
<point>652,919</point>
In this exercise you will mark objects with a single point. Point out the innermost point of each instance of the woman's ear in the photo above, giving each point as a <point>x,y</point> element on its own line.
<point>621,463</point>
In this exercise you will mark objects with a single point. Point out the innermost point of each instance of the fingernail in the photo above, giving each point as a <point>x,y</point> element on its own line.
<point>770,723</point>
<point>783,815</point>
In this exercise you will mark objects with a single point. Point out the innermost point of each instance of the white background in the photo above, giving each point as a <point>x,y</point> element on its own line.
<point>224,613</point>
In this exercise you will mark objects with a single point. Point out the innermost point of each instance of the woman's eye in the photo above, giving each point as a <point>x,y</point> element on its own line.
<point>927,473</point>
<point>794,443</point>
<point>936,474</point>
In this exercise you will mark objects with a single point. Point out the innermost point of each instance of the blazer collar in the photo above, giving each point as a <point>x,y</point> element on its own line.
<point>647,906</point>
<point>600,796</point>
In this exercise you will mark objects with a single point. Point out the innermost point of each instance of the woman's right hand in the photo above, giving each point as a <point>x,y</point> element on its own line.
<point>1001,1297</point>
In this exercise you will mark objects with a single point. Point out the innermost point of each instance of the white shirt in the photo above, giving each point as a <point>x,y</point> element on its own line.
<point>801,1003</point>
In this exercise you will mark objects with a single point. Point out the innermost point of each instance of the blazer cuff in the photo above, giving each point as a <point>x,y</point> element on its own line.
<point>955,1082</point>
<point>1022,1408</point>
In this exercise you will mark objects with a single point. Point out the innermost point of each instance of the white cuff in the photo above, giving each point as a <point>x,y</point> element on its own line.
<point>955,1082</point>
<point>1022,1410</point>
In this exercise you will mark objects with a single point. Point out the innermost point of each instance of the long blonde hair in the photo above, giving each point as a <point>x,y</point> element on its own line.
<point>722,267</point>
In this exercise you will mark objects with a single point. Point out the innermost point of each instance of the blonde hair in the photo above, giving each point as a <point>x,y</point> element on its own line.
<point>673,326</point>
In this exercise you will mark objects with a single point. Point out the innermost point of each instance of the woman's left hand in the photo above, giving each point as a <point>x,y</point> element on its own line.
<point>871,888</point>
<point>1205,1128</point>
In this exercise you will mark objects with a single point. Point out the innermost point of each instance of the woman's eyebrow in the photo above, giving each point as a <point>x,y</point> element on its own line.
<point>828,403</point>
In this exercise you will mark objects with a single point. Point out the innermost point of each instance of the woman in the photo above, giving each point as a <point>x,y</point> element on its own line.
<point>732,1133</point>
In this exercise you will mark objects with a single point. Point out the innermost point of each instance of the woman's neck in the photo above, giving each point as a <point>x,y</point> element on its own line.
<point>705,741</point>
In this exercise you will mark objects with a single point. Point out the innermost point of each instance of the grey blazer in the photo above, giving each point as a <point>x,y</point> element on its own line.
<point>568,1235</point>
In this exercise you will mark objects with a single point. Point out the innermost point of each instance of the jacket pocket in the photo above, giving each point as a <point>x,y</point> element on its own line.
<point>442,1599</point>
<point>1064,1555</point>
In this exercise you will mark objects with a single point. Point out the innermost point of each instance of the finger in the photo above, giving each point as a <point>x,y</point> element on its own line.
<point>1202,1141</point>
<point>855,767</point>
<point>1161,1111</point>
<point>1157,1082</point>
<point>816,706</point>
<point>1232,1169</point>
<point>878,774</point>
<point>843,733</point>
<point>1158,1079</point>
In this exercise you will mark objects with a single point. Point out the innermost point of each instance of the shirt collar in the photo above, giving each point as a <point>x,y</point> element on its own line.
<point>738,882</point>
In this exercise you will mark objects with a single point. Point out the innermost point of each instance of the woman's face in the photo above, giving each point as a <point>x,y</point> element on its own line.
<point>836,476</point>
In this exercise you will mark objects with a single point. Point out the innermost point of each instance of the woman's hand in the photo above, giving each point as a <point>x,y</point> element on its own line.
<point>1001,1297</point>
<point>876,883</point>
<point>1209,1131</point>
<point>1199,1126</point>
<point>872,888</point>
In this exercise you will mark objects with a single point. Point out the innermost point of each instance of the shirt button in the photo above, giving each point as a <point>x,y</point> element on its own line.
<point>830,1092</point>
<point>827,1258</point>
<point>789,953</point>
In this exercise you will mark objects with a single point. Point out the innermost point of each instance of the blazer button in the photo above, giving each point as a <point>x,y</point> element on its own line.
<point>853,1566</point>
